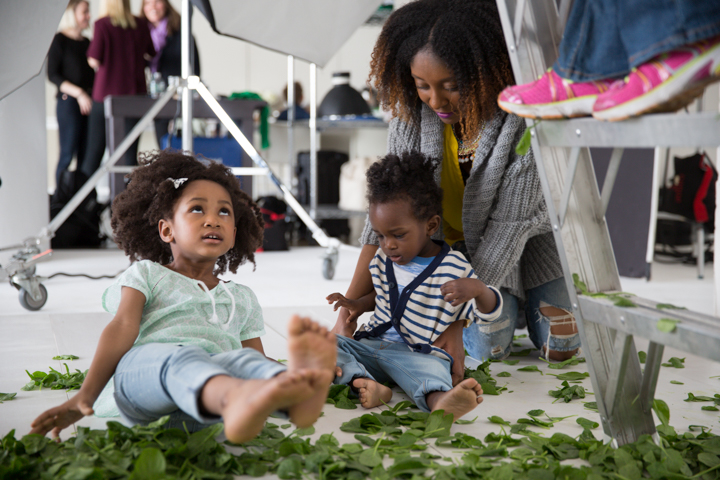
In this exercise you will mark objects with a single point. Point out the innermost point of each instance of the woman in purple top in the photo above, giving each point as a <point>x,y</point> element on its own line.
<point>119,50</point>
<point>164,23</point>
<point>68,69</point>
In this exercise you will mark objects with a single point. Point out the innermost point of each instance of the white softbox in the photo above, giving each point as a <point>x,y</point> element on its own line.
<point>27,28</point>
<point>312,30</point>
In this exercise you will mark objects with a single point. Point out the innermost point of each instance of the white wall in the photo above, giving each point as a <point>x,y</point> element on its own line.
<point>23,193</point>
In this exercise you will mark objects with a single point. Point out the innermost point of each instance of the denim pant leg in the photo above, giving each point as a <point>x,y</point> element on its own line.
<point>493,340</point>
<point>72,133</point>
<point>606,38</point>
<point>161,379</point>
<point>357,359</point>
<point>553,293</point>
<point>417,374</point>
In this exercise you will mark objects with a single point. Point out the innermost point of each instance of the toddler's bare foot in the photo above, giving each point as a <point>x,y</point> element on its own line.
<point>463,398</point>
<point>247,403</point>
<point>371,393</point>
<point>314,349</point>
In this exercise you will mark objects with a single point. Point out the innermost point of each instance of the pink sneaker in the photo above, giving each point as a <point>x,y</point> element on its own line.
<point>666,83</point>
<point>551,96</point>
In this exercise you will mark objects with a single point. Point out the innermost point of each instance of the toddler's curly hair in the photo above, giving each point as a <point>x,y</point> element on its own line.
<point>151,197</point>
<point>410,176</point>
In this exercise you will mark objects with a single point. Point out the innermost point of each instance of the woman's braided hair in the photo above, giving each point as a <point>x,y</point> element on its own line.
<point>150,197</point>
<point>465,34</point>
<point>411,177</point>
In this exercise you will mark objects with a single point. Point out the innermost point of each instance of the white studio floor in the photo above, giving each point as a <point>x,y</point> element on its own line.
<point>291,282</point>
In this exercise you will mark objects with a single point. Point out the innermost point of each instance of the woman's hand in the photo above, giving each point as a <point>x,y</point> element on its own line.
<point>452,342</point>
<point>85,103</point>
<point>58,418</point>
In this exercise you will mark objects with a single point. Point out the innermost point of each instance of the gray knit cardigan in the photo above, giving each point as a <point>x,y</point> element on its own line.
<point>505,221</point>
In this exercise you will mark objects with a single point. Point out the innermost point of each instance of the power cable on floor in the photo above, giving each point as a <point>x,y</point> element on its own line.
<point>85,275</point>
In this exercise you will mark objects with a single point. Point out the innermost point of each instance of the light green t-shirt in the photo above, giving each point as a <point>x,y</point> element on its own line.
<point>179,311</point>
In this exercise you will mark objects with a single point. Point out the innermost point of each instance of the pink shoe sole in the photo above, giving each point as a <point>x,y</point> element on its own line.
<point>552,97</point>
<point>657,87</point>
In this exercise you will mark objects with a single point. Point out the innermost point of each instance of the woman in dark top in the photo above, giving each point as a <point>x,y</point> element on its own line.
<point>164,23</point>
<point>119,50</point>
<point>69,70</point>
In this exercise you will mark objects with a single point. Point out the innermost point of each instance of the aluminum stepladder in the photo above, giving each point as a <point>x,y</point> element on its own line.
<point>576,207</point>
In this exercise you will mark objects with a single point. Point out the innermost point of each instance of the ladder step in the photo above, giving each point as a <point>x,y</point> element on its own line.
<point>694,333</point>
<point>648,131</point>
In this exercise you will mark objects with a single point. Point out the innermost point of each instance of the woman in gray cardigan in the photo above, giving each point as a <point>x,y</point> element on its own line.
<point>439,65</point>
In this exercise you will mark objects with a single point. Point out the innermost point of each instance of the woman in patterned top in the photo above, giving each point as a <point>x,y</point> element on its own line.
<point>183,342</point>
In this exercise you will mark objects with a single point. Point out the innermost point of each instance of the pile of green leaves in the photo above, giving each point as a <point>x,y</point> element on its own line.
<point>485,379</point>
<point>389,444</point>
<point>339,396</point>
<point>567,392</point>
<point>55,380</point>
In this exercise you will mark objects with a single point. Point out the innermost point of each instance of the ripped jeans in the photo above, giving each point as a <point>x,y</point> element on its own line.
<point>494,340</point>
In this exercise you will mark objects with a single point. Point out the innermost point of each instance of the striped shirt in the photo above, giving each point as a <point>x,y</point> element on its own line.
<point>421,312</point>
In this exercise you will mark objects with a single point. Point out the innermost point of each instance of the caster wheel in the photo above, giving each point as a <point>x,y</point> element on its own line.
<point>328,269</point>
<point>29,303</point>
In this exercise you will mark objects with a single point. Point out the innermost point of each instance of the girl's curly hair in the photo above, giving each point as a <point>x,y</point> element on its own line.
<point>410,176</point>
<point>150,197</point>
<point>466,35</point>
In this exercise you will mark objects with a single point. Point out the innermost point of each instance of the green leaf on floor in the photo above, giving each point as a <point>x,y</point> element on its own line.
<point>504,374</point>
<point>709,408</point>
<point>642,356</point>
<point>574,360</point>
<point>675,382</point>
<point>511,362</point>
<point>571,376</point>
<point>667,325</point>
<point>65,357</point>
<point>522,353</point>
<point>675,362</point>
<point>662,411</point>
<point>4,397</point>
<point>55,380</point>
<point>567,392</point>
<point>530,368</point>
<point>585,423</point>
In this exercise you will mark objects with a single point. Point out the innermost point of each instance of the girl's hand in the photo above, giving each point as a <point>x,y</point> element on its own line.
<point>58,418</point>
<point>461,290</point>
<point>451,340</point>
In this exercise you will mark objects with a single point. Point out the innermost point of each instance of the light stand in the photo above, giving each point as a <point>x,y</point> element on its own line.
<point>21,270</point>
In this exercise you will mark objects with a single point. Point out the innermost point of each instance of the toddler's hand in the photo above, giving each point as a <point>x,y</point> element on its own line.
<point>461,290</point>
<point>352,306</point>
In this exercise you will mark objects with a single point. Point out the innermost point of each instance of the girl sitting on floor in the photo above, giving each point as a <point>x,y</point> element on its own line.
<point>183,342</point>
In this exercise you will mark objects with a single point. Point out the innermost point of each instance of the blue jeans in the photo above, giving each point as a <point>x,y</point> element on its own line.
<point>494,340</point>
<point>605,39</point>
<point>161,379</point>
<point>73,133</point>
<point>416,373</point>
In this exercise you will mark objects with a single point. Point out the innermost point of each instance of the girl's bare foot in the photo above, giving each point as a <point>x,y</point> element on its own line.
<point>314,349</point>
<point>371,393</point>
<point>463,398</point>
<point>246,404</point>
